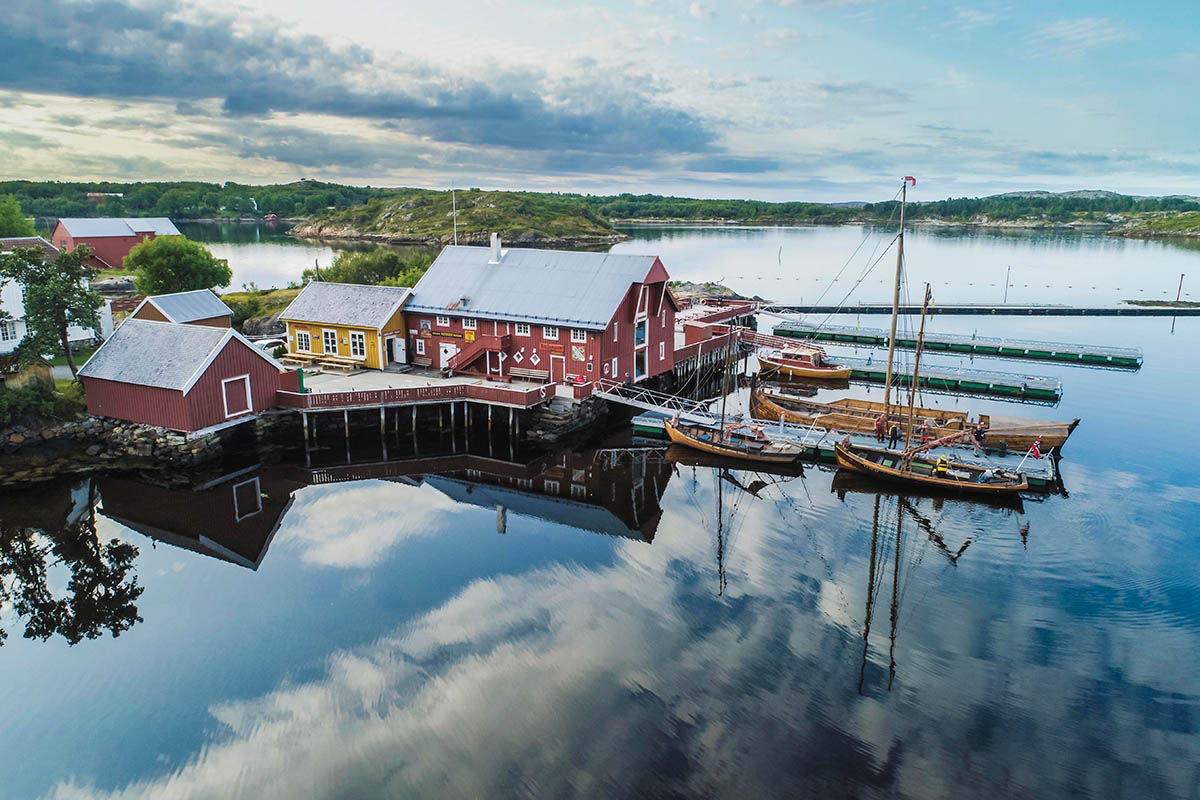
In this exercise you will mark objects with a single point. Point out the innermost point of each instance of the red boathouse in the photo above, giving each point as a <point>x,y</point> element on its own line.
<point>181,377</point>
<point>111,238</point>
<point>554,315</point>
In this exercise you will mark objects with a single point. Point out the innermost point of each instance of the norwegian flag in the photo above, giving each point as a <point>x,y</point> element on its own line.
<point>1036,450</point>
<point>910,179</point>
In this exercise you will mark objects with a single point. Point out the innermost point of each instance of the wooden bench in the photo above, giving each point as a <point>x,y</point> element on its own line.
<point>533,374</point>
<point>422,361</point>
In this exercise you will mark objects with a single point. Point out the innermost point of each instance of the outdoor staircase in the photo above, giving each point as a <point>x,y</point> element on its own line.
<point>475,349</point>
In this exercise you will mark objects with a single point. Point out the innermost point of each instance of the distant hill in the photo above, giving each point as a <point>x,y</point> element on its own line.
<point>425,216</point>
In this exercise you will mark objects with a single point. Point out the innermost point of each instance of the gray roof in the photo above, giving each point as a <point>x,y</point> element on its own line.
<point>119,226</point>
<point>346,304</point>
<point>152,353</point>
<point>557,287</point>
<point>190,306</point>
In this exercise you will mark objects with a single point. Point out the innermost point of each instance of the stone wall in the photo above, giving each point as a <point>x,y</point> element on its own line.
<point>30,453</point>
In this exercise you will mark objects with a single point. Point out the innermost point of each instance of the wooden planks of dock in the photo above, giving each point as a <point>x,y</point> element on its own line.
<point>1058,352</point>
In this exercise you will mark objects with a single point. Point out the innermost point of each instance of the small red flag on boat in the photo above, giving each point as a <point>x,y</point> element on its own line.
<point>910,179</point>
<point>1036,451</point>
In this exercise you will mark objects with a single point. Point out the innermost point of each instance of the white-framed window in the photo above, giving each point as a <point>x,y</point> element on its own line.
<point>549,332</point>
<point>550,487</point>
<point>589,366</point>
<point>578,335</point>
<point>235,393</point>
<point>522,329</point>
<point>614,367</point>
<point>303,342</point>
<point>662,318</point>
<point>247,499</point>
<point>443,322</point>
<point>329,340</point>
<point>524,483</point>
<point>616,327</point>
<point>469,323</point>
<point>578,491</point>
<point>8,331</point>
<point>662,350</point>
<point>358,344</point>
<point>420,347</point>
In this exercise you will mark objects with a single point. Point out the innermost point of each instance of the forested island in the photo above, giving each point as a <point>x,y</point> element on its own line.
<point>415,215</point>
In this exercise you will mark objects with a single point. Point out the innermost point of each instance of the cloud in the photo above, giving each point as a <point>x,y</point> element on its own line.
<point>112,49</point>
<point>969,18</point>
<point>700,11</point>
<point>26,140</point>
<point>1072,38</point>
<point>732,164</point>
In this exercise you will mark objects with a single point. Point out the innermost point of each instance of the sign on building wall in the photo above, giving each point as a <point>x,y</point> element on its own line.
<point>576,353</point>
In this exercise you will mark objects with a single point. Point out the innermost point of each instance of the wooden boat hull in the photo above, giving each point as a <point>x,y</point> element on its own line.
<point>787,454</point>
<point>859,416</point>
<point>848,458</point>
<point>832,372</point>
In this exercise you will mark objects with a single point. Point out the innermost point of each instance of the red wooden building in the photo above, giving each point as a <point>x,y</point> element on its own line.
<point>543,314</point>
<point>111,238</point>
<point>181,377</point>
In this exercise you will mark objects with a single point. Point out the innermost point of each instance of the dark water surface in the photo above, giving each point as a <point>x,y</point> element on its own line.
<point>640,628</point>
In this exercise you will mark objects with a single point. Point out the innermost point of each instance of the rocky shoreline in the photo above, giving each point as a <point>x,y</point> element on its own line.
<point>345,233</point>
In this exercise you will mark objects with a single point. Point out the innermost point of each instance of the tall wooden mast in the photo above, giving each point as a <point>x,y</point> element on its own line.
<point>887,385</point>
<point>912,397</point>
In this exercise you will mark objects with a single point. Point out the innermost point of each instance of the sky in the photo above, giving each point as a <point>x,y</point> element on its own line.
<point>827,100</point>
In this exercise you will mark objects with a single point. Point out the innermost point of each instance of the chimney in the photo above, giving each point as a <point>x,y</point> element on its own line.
<point>495,259</point>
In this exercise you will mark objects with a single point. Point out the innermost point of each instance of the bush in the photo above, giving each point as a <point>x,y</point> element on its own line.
<point>34,399</point>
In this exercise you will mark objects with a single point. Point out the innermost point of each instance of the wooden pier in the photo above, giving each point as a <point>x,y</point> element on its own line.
<point>998,310</point>
<point>1058,352</point>
<point>955,379</point>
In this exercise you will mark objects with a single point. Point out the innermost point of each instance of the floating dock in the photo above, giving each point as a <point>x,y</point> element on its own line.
<point>957,379</point>
<point>1059,352</point>
<point>1000,310</point>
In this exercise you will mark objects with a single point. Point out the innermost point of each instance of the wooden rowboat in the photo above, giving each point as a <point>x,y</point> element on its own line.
<point>802,364</point>
<point>922,471</point>
<point>859,416</point>
<point>753,447</point>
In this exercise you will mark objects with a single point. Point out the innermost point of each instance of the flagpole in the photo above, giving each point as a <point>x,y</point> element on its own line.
<point>1027,452</point>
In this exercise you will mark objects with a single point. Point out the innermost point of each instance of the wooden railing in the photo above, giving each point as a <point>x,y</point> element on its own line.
<point>482,343</point>
<point>505,395</point>
<point>694,349</point>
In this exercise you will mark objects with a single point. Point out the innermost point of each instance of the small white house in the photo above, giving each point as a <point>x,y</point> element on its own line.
<point>12,301</point>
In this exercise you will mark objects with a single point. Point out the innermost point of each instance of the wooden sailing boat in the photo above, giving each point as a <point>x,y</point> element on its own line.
<point>859,416</point>
<point>802,362</point>
<point>910,468</point>
<point>744,441</point>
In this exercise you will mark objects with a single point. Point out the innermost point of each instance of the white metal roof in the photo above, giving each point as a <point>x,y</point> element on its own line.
<point>187,306</point>
<point>353,304</point>
<point>119,226</point>
<point>557,287</point>
<point>161,354</point>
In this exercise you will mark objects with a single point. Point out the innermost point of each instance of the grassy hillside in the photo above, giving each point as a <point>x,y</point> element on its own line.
<point>425,216</point>
<point>1185,223</point>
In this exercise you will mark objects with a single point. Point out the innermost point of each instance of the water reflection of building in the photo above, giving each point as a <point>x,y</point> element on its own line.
<point>233,520</point>
<point>615,492</point>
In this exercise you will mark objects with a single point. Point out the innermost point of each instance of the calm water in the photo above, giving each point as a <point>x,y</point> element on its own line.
<point>661,630</point>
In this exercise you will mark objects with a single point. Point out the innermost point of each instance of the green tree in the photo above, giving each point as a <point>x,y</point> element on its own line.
<point>169,264</point>
<point>12,221</point>
<point>55,298</point>
<point>376,267</point>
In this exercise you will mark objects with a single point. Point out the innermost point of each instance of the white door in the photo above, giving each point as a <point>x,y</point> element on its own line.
<point>446,351</point>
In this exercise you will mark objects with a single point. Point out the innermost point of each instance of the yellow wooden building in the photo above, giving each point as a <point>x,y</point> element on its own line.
<point>347,324</point>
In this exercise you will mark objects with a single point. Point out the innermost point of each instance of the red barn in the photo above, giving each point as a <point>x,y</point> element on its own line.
<point>181,377</point>
<point>111,238</point>
<point>544,314</point>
